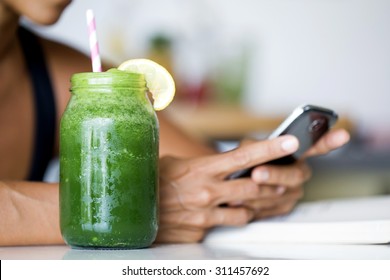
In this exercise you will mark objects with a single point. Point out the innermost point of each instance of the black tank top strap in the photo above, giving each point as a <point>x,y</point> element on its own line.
<point>45,109</point>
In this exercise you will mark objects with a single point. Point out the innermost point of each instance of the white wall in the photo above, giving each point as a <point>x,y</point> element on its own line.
<point>330,52</point>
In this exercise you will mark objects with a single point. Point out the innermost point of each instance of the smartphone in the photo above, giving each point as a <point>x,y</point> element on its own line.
<point>308,123</point>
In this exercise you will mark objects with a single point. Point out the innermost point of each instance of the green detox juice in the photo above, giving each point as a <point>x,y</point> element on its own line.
<point>109,140</point>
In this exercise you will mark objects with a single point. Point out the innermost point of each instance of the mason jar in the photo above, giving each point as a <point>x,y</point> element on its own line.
<point>109,150</point>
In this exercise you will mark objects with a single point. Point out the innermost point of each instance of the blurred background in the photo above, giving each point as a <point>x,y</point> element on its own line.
<point>241,66</point>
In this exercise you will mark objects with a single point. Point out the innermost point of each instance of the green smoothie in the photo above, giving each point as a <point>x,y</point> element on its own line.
<point>109,140</point>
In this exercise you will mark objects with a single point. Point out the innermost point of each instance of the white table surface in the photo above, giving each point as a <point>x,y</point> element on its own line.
<point>204,252</point>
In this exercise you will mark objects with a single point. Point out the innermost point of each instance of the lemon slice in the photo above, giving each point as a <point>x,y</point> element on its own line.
<point>158,80</point>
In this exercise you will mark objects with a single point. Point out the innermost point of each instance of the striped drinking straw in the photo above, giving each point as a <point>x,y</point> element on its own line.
<point>93,42</point>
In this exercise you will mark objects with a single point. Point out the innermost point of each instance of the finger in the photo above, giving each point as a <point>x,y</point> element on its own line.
<point>258,204</point>
<point>210,195</point>
<point>234,190</point>
<point>278,210</point>
<point>330,141</point>
<point>291,196</point>
<point>282,175</point>
<point>253,154</point>
<point>226,216</point>
<point>204,219</point>
<point>266,193</point>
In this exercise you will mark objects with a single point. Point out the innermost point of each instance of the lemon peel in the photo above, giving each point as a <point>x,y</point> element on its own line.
<point>158,80</point>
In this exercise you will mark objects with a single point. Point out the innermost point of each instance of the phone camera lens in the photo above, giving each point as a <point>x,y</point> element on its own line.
<point>316,125</point>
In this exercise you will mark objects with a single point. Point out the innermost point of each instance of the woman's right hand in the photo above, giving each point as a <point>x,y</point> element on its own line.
<point>194,192</point>
<point>195,195</point>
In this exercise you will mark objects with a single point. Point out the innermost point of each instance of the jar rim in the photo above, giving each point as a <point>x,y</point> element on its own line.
<point>112,77</point>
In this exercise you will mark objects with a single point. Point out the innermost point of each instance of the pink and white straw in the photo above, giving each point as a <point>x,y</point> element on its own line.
<point>93,42</point>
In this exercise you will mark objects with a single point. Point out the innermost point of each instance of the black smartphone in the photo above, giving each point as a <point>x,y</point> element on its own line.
<point>308,123</point>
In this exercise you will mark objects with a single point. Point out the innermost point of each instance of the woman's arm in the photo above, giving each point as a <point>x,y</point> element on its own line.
<point>29,214</point>
<point>175,142</point>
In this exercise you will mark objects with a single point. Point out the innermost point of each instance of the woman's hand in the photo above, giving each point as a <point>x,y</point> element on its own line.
<point>194,192</point>
<point>282,185</point>
<point>194,195</point>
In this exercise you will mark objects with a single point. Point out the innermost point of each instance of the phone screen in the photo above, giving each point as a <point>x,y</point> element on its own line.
<point>308,123</point>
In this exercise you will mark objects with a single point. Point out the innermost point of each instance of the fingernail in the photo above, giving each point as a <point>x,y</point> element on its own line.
<point>280,190</point>
<point>261,175</point>
<point>290,144</point>
<point>342,138</point>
